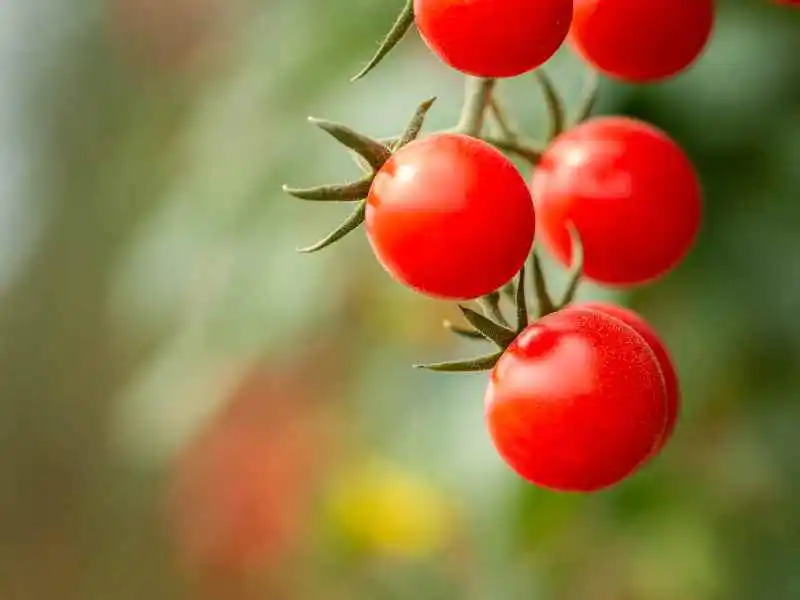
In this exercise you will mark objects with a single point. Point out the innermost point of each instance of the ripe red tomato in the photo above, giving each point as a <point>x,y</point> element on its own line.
<point>450,216</point>
<point>493,38</point>
<point>630,192</point>
<point>644,329</point>
<point>577,402</point>
<point>641,41</point>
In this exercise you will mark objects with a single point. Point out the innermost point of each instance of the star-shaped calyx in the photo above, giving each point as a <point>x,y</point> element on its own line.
<point>372,155</point>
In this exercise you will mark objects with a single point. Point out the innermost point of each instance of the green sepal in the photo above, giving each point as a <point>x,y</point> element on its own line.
<point>509,291</point>
<point>482,363</point>
<point>352,222</point>
<point>415,125</point>
<point>373,151</point>
<point>555,105</point>
<point>494,332</point>
<point>345,192</point>
<point>398,31</point>
<point>490,305</point>
<point>470,334</point>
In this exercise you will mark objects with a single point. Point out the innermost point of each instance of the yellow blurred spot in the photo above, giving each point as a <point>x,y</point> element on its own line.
<point>388,510</point>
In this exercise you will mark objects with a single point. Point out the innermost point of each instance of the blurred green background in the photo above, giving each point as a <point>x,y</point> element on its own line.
<point>191,409</point>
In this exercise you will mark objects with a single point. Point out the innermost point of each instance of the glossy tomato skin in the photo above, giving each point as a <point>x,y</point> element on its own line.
<point>577,402</point>
<point>641,42</point>
<point>493,38</point>
<point>644,329</point>
<point>630,191</point>
<point>450,217</point>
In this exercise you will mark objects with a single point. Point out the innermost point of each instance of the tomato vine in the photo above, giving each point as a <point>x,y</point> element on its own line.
<point>580,396</point>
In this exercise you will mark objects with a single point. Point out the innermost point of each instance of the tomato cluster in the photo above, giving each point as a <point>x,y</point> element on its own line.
<point>581,395</point>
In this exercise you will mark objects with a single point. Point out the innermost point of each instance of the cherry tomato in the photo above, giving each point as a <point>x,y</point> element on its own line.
<point>577,402</point>
<point>493,38</point>
<point>641,41</point>
<point>630,192</point>
<point>450,216</point>
<point>644,329</point>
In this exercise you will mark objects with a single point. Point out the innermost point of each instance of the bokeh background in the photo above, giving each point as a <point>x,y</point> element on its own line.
<point>191,409</point>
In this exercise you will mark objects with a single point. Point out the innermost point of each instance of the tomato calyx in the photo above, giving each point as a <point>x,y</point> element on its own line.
<point>371,155</point>
<point>486,329</point>
<point>494,327</point>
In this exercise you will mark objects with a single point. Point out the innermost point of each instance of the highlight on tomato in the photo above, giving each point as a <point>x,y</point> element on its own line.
<point>493,38</point>
<point>577,402</point>
<point>641,42</point>
<point>450,216</point>
<point>629,191</point>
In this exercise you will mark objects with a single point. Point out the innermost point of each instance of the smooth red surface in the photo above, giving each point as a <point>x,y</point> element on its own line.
<point>451,217</point>
<point>577,402</point>
<point>631,193</point>
<point>665,361</point>
<point>493,38</point>
<point>641,40</point>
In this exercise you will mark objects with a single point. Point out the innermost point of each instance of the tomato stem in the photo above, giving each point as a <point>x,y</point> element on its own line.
<point>497,110</point>
<point>543,298</point>
<point>477,94</point>
<point>524,150</point>
<point>586,106</point>
<point>576,273</point>
<point>521,302</point>
<point>555,105</point>
<point>398,31</point>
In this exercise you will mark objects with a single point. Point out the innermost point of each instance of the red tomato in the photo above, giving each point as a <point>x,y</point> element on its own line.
<point>629,190</point>
<point>493,38</point>
<point>450,216</point>
<point>641,41</point>
<point>644,329</point>
<point>577,402</point>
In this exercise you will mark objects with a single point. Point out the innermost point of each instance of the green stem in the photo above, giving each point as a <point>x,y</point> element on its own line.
<point>501,118</point>
<point>477,95</point>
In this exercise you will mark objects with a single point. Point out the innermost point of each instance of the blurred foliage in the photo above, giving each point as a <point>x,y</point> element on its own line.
<point>148,276</point>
